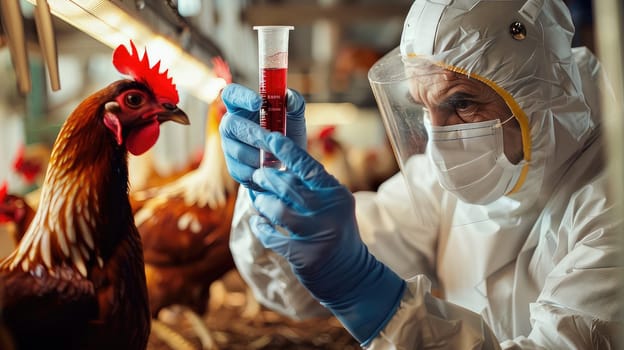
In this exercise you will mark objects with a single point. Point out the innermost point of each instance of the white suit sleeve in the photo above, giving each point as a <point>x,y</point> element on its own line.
<point>425,322</point>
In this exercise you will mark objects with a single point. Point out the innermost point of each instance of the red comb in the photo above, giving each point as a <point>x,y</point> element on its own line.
<point>138,68</point>
<point>3,193</point>
<point>3,190</point>
<point>327,132</point>
<point>19,158</point>
<point>221,69</point>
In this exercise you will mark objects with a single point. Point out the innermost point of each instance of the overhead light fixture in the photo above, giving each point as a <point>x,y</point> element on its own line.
<point>14,28</point>
<point>47,42</point>
<point>114,23</point>
<point>189,8</point>
<point>13,24</point>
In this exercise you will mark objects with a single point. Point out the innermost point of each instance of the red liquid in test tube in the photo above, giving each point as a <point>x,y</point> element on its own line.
<point>273,69</point>
<point>273,92</point>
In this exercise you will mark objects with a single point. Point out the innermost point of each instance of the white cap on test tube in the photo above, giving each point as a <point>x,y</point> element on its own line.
<point>273,46</point>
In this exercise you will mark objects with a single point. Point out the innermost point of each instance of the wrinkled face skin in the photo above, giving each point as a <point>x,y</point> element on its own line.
<point>453,98</point>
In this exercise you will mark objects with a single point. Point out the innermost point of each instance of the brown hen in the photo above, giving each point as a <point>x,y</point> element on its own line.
<point>77,279</point>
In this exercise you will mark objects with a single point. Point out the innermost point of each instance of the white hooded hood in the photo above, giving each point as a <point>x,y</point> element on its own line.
<point>534,71</point>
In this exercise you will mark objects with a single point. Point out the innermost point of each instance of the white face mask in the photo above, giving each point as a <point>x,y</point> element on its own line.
<point>470,160</point>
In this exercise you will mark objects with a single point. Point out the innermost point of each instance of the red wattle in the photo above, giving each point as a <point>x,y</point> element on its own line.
<point>142,139</point>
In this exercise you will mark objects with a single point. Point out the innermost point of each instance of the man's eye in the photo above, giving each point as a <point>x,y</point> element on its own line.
<point>461,105</point>
<point>465,109</point>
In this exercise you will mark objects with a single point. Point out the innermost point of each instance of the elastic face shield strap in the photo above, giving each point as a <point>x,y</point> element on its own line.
<point>500,124</point>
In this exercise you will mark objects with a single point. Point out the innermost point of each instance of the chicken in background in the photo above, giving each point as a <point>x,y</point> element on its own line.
<point>30,163</point>
<point>77,278</point>
<point>17,210</point>
<point>185,228</point>
<point>15,217</point>
<point>145,174</point>
<point>329,151</point>
<point>360,168</point>
<point>373,165</point>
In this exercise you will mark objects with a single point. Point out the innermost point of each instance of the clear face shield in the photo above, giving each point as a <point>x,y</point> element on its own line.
<point>402,117</point>
<point>454,122</point>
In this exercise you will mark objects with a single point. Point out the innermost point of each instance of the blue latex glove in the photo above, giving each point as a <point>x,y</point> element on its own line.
<point>321,240</point>
<point>242,159</point>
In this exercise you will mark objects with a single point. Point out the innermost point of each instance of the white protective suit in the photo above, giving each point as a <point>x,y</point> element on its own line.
<point>535,269</point>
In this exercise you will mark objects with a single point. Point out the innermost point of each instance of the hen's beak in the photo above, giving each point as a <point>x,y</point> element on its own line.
<point>174,114</point>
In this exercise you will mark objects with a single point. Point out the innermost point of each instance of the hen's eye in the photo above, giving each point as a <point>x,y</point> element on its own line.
<point>134,99</point>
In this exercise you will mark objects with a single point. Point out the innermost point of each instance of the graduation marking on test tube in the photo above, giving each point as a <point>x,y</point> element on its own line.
<point>273,72</point>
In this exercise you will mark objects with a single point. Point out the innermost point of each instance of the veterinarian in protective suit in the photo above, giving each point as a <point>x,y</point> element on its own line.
<point>499,231</point>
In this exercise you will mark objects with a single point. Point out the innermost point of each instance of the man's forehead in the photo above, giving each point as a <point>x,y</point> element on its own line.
<point>434,82</point>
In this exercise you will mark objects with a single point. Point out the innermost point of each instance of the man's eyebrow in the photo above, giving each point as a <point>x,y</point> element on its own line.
<point>456,97</point>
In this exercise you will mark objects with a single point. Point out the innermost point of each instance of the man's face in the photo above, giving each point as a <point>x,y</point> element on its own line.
<point>453,98</point>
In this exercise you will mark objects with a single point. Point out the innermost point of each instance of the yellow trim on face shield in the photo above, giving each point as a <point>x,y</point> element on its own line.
<point>523,120</point>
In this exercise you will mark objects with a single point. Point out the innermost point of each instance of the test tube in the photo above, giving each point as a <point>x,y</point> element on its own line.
<point>273,69</point>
